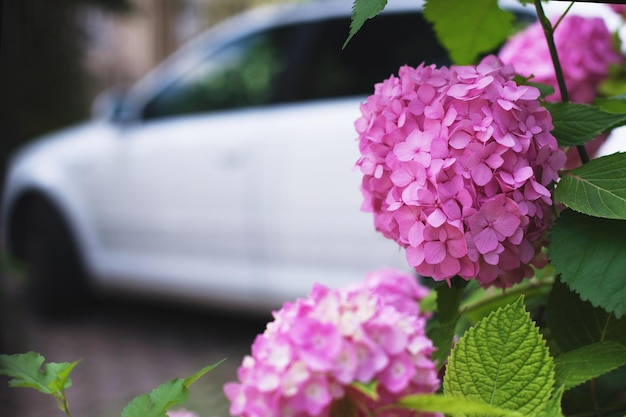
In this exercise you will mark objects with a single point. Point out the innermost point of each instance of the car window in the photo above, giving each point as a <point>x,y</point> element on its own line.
<point>240,74</point>
<point>378,50</point>
<point>302,62</point>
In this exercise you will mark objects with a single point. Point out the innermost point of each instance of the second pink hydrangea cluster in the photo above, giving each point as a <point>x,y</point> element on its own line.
<point>457,163</point>
<point>586,51</point>
<point>316,348</point>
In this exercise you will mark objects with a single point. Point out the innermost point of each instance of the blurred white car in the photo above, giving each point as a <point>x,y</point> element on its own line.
<point>226,175</point>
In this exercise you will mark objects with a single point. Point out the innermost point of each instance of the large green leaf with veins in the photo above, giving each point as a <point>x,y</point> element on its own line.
<point>576,123</point>
<point>467,32</point>
<point>590,255</point>
<point>588,362</point>
<point>575,323</point>
<point>503,361</point>
<point>597,188</point>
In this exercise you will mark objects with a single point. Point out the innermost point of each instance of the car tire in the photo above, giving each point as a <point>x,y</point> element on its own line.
<point>57,282</point>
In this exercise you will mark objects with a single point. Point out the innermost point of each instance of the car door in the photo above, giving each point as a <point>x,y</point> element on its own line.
<point>314,228</point>
<point>174,193</point>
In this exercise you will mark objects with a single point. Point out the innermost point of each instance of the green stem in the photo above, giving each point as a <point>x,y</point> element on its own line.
<point>528,289</point>
<point>548,31</point>
<point>63,403</point>
<point>594,398</point>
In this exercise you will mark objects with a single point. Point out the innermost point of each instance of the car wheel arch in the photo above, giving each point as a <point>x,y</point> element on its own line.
<point>19,215</point>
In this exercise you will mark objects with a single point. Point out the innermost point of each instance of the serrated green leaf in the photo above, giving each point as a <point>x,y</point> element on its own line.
<point>444,325</point>
<point>158,401</point>
<point>553,408</point>
<point>575,323</point>
<point>576,124</point>
<point>25,369</point>
<point>193,378</point>
<point>590,255</point>
<point>453,405</point>
<point>598,188</point>
<point>361,11</point>
<point>61,372</point>
<point>502,361</point>
<point>163,397</point>
<point>467,32</point>
<point>588,362</point>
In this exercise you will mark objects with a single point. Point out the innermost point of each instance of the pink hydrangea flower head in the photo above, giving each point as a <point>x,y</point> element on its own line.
<point>457,163</point>
<point>317,347</point>
<point>584,68</point>
<point>619,9</point>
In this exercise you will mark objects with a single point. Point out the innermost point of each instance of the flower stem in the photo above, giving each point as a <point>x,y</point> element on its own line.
<point>594,398</point>
<point>548,30</point>
<point>63,403</point>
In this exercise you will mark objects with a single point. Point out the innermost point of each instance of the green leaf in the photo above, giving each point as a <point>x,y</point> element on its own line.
<point>544,89</point>
<point>590,255</point>
<point>158,401</point>
<point>553,408</point>
<point>193,378</point>
<point>62,372</point>
<point>444,325</point>
<point>588,362</point>
<point>535,294</point>
<point>25,371</point>
<point>575,323</point>
<point>502,361</point>
<point>613,104</point>
<point>598,188</point>
<point>361,11</point>
<point>576,124</point>
<point>466,32</point>
<point>453,405</point>
<point>163,397</point>
<point>370,390</point>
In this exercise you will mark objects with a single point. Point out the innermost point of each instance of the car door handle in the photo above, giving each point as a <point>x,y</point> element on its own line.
<point>231,160</point>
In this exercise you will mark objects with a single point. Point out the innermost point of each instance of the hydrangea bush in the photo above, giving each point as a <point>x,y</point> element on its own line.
<point>520,309</point>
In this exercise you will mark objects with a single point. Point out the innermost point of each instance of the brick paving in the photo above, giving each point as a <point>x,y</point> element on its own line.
<point>127,349</point>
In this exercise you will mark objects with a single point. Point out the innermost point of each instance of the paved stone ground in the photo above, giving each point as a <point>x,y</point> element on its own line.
<point>127,349</point>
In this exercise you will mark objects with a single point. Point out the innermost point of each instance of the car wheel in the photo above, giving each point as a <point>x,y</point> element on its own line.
<point>57,278</point>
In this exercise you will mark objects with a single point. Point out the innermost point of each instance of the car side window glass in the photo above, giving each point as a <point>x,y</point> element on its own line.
<point>300,62</point>
<point>241,74</point>
<point>381,46</point>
